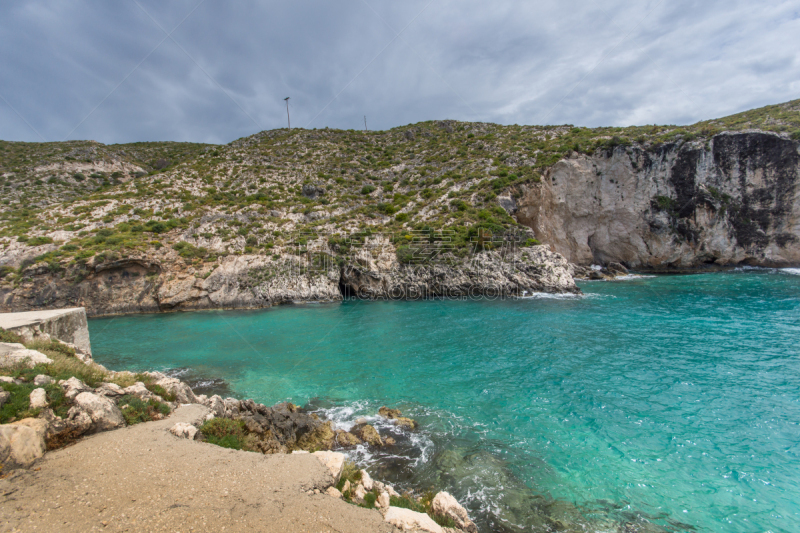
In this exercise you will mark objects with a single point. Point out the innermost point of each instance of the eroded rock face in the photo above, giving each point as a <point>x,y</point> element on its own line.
<point>142,284</point>
<point>735,200</point>
<point>510,272</point>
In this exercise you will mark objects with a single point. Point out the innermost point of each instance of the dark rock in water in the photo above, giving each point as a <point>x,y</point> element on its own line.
<point>389,413</point>
<point>199,383</point>
<point>368,434</point>
<point>345,439</point>
<point>617,269</point>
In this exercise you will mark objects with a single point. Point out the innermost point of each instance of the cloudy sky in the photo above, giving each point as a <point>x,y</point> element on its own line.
<point>213,71</point>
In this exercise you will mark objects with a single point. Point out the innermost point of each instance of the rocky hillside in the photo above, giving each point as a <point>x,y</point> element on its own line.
<point>438,208</point>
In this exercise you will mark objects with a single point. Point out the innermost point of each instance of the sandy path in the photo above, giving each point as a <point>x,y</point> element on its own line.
<point>142,478</point>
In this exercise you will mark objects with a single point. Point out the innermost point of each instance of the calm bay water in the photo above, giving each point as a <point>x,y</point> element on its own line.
<point>671,400</point>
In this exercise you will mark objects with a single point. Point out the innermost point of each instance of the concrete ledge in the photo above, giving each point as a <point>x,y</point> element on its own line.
<point>66,325</point>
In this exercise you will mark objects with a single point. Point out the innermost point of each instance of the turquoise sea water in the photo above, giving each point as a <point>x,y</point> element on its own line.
<point>671,401</point>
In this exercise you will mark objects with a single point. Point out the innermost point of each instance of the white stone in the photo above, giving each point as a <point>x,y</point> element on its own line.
<point>184,430</point>
<point>446,505</point>
<point>217,405</point>
<point>408,520</point>
<point>333,491</point>
<point>22,442</point>
<point>346,486</point>
<point>41,380</point>
<point>12,353</point>
<point>109,389</point>
<point>104,413</point>
<point>366,480</point>
<point>384,500</point>
<point>359,493</point>
<point>38,398</point>
<point>183,392</point>
<point>140,391</point>
<point>334,461</point>
<point>72,387</point>
<point>391,491</point>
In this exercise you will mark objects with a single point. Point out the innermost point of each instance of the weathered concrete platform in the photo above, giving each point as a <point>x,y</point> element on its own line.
<point>67,325</point>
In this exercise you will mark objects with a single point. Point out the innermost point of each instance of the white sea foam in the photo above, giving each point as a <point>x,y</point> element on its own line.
<point>792,271</point>
<point>551,296</point>
<point>627,277</point>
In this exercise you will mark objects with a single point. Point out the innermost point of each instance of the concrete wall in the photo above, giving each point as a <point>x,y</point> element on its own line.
<point>66,325</point>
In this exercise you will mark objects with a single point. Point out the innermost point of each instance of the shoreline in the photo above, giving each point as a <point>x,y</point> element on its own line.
<point>106,408</point>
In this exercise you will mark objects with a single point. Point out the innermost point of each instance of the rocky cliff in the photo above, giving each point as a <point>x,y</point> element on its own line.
<point>165,283</point>
<point>732,199</point>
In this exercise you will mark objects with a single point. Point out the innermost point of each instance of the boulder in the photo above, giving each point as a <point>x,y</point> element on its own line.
<point>38,398</point>
<point>444,504</point>
<point>184,430</point>
<point>346,439</point>
<point>22,442</point>
<point>104,413</point>
<point>333,491</point>
<point>41,380</point>
<point>4,396</point>
<point>63,431</point>
<point>389,413</point>
<point>9,379</point>
<point>13,353</point>
<point>183,393</point>
<point>140,391</point>
<point>617,269</point>
<point>405,423</point>
<point>383,500</point>
<point>359,493</point>
<point>216,404</point>
<point>333,461</point>
<point>368,434</point>
<point>366,480</point>
<point>320,438</point>
<point>407,520</point>
<point>72,387</point>
<point>110,390</point>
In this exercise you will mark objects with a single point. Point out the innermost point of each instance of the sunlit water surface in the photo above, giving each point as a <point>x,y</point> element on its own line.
<point>661,401</point>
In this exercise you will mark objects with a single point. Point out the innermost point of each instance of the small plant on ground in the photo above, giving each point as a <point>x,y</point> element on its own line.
<point>136,410</point>
<point>9,336</point>
<point>224,432</point>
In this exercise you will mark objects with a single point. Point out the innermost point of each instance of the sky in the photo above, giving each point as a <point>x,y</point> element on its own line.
<point>213,71</point>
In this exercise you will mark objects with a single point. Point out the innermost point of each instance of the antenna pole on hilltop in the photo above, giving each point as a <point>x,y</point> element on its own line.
<point>287,112</point>
<point>365,123</point>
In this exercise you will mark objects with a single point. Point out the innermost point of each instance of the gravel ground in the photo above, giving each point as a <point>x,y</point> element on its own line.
<point>142,478</point>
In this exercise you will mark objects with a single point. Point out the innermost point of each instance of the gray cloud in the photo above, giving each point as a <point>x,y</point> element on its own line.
<point>230,66</point>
